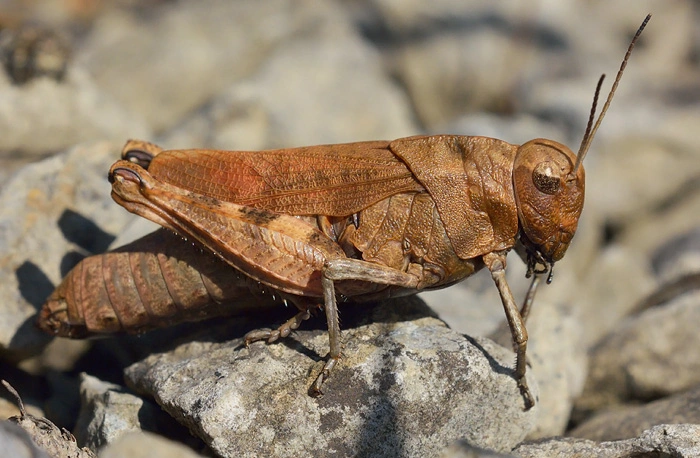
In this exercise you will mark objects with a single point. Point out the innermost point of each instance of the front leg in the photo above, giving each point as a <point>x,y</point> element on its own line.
<point>496,263</point>
<point>350,269</point>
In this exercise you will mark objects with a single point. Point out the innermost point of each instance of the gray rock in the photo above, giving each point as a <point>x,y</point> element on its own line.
<point>110,411</point>
<point>107,412</point>
<point>462,449</point>
<point>678,256</point>
<point>403,388</point>
<point>647,356</point>
<point>557,344</point>
<point>556,359</point>
<point>474,77</point>
<point>43,433</point>
<point>335,90</point>
<point>677,441</point>
<point>45,116</point>
<point>625,184</point>
<point>559,363</point>
<point>676,217</point>
<point>610,290</point>
<point>629,421</point>
<point>51,213</point>
<point>275,73</point>
<point>146,445</point>
<point>677,264</point>
<point>200,50</point>
<point>16,442</point>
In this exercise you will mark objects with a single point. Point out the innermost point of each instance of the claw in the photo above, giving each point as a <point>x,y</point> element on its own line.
<point>526,394</point>
<point>315,389</point>
<point>256,335</point>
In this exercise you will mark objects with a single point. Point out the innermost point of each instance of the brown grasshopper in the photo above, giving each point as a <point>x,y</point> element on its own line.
<point>372,219</point>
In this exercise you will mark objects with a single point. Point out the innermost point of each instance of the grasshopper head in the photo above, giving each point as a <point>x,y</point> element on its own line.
<point>549,192</point>
<point>549,182</point>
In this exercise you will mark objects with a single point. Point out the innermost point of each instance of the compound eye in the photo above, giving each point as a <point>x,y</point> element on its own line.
<point>546,177</point>
<point>140,157</point>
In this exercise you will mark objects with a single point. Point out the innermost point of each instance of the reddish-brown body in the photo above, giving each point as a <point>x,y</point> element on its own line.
<point>433,223</point>
<point>155,281</point>
<point>367,219</point>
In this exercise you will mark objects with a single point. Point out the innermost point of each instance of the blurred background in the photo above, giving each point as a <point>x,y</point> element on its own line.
<point>80,77</point>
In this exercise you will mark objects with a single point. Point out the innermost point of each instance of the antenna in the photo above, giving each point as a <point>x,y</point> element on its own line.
<point>590,133</point>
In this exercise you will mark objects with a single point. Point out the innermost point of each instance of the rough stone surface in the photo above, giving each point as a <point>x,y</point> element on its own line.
<point>651,354</point>
<point>621,278</point>
<point>110,411</point>
<point>403,388</point>
<point>257,114</point>
<point>558,363</point>
<point>556,359</point>
<point>462,449</point>
<point>629,421</point>
<point>146,445</point>
<point>677,441</point>
<point>208,51</point>
<point>56,115</point>
<point>16,442</point>
<point>647,356</point>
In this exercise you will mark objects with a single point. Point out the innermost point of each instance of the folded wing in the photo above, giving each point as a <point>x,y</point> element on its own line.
<point>332,180</point>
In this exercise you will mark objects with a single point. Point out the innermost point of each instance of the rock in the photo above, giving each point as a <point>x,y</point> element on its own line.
<point>473,77</point>
<point>31,51</point>
<point>44,116</point>
<point>556,359</point>
<point>647,356</point>
<point>559,363</point>
<point>200,52</point>
<point>677,257</point>
<point>52,213</point>
<point>625,183</point>
<point>249,75</point>
<point>679,441</point>
<point>462,449</point>
<point>402,388</point>
<point>109,411</point>
<point>308,109</point>
<point>16,442</point>
<point>146,445</point>
<point>630,421</point>
<point>679,215</point>
<point>43,433</point>
<point>614,285</point>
